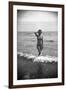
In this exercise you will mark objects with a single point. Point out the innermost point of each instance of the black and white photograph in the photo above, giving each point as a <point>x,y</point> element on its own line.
<point>38,57</point>
<point>37,44</point>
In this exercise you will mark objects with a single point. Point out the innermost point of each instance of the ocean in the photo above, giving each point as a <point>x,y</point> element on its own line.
<point>27,43</point>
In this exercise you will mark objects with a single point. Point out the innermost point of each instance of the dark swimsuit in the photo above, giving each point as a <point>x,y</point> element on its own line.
<point>40,42</point>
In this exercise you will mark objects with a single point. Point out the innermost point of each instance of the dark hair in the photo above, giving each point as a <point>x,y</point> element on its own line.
<point>39,31</point>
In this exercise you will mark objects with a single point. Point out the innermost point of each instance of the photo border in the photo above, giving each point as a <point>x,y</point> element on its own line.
<point>11,43</point>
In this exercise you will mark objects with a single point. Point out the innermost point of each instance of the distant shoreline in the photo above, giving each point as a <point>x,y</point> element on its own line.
<point>42,31</point>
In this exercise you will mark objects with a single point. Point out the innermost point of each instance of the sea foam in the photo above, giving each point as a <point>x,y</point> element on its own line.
<point>39,58</point>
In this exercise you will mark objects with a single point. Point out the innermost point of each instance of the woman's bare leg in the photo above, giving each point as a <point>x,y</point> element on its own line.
<point>39,51</point>
<point>39,54</point>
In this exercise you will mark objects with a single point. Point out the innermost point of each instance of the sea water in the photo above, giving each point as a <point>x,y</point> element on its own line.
<point>27,43</point>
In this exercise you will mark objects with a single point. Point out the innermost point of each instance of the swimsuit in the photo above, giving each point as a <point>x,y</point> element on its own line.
<point>40,42</point>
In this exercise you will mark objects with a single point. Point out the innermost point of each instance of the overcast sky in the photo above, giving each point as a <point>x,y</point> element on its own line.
<point>33,20</point>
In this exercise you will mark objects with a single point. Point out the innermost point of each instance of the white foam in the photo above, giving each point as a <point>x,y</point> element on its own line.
<point>31,57</point>
<point>28,56</point>
<point>20,53</point>
<point>45,59</point>
<point>39,58</point>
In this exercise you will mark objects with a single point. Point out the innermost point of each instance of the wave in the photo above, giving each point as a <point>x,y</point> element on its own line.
<point>38,58</point>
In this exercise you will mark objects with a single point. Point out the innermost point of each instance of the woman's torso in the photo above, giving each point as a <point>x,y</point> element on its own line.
<point>40,40</point>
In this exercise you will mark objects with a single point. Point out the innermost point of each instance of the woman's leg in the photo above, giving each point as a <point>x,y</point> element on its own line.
<point>39,50</point>
<point>39,53</point>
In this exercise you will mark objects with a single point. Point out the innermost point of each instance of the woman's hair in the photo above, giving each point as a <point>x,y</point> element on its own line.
<point>39,31</point>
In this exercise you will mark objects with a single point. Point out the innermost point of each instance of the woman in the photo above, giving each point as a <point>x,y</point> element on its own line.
<point>39,41</point>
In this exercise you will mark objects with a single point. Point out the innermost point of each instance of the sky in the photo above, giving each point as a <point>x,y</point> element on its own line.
<point>32,20</point>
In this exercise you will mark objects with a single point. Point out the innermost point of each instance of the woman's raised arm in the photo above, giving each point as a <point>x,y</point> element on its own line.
<point>36,33</point>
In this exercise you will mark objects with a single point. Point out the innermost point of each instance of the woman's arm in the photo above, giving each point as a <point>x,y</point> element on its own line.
<point>36,33</point>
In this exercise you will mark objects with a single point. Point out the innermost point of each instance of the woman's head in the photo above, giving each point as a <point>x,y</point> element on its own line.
<point>39,31</point>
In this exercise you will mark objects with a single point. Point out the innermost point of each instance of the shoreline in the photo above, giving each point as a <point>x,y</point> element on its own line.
<point>40,58</point>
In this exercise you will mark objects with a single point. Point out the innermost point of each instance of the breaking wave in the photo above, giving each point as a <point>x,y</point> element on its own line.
<point>38,58</point>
